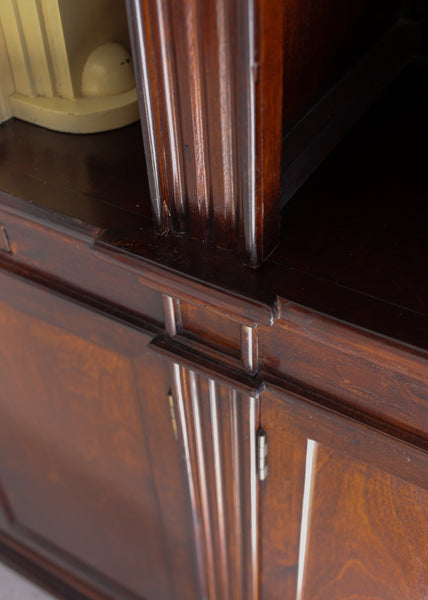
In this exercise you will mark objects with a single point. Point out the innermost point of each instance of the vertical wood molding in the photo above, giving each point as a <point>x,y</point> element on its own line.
<point>213,147</point>
<point>218,431</point>
<point>305,524</point>
<point>226,101</point>
<point>178,373</point>
<point>219,487</point>
<point>155,66</point>
<point>250,348</point>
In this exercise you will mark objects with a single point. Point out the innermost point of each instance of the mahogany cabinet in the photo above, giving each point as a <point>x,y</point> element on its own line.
<point>353,525</point>
<point>213,334</point>
<point>90,470</point>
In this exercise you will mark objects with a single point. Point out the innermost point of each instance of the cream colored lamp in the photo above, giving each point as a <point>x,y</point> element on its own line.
<point>64,64</point>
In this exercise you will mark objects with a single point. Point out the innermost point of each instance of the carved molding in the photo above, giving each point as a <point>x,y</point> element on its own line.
<point>202,67</point>
<point>218,431</point>
<point>195,350</point>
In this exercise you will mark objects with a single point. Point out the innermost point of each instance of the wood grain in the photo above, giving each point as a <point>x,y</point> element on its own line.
<point>281,502</point>
<point>74,439</point>
<point>371,443</point>
<point>368,534</point>
<point>211,112</point>
<point>211,328</point>
<point>376,376</point>
<point>324,347</point>
<point>339,521</point>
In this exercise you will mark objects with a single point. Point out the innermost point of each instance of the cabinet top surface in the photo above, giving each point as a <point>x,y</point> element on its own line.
<point>354,241</point>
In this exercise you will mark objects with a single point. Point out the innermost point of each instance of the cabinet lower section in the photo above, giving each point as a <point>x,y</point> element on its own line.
<point>91,473</point>
<point>127,475</point>
<point>335,526</point>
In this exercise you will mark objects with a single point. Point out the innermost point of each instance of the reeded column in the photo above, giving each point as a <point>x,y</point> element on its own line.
<point>210,82</point>
<point>216,417</point>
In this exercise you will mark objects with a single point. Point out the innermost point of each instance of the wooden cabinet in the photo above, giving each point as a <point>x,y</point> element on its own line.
<point>213,334</point>
<point>340,518</point>
<point>348,546</point>
<point>90,471</point>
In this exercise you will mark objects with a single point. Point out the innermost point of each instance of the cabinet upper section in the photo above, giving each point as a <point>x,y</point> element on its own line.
<point>219,84</point>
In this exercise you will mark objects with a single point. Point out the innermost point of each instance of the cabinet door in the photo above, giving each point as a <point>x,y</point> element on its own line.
<point>90,470</point>
<point>345,508</point>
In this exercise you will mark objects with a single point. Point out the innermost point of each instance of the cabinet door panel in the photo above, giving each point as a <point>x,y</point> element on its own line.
<point>367,533</point>
<point>78,444</point>
<point>338,521</point>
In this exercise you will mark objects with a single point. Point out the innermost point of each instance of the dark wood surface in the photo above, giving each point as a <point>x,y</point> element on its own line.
<point>360,261</point>
<point>90,473</point>
<point>339,520</point>
<point>350,549</point>
<point>85,177</point>
<point>322,41</point>
<point>210,82</point>
<point>379,378</point>
<point>363,214</point>
<point>324,347</point>
<point>218,429</point>
<point>353,251</point>
<point>281,501</point>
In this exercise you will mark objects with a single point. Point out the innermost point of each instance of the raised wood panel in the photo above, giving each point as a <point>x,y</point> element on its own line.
<point>367,533</point>
<point>211,328</point>
<point>338,522</point>
<point>218,430</point>
<point>369,441</point>
<point>308,142</point>
<point>90,468</point>
<point>210,80</point>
